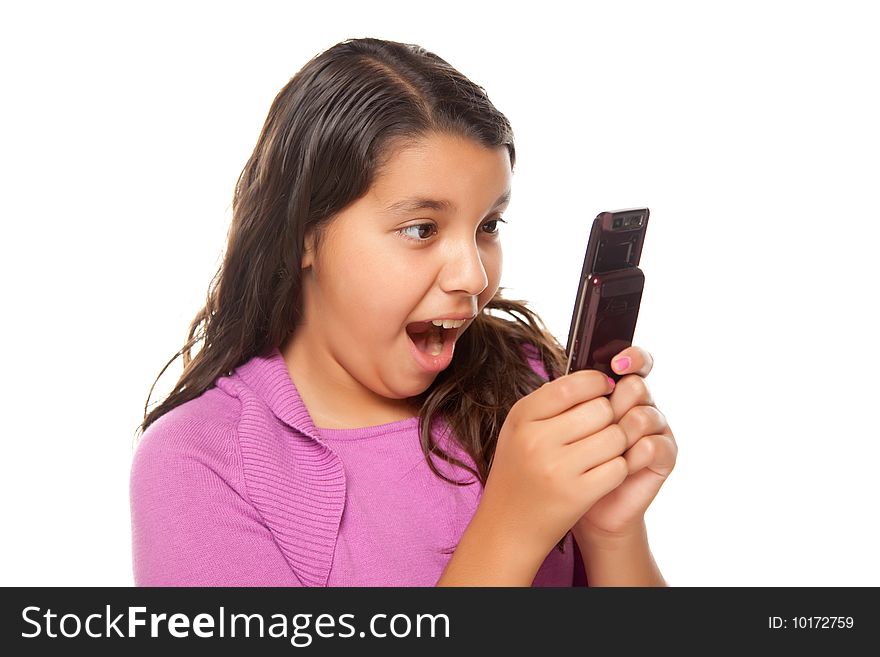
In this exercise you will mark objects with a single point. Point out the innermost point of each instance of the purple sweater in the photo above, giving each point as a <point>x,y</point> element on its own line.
<point>237,487</point>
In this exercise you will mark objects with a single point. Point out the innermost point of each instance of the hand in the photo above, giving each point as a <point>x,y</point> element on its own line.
<point>557,454</point>
<point>650,454</point>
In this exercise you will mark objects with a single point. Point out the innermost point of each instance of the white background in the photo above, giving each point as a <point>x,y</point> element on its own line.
<point>750,130</point>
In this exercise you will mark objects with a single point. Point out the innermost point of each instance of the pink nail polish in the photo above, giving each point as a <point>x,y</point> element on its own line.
<point>611,381</point>
<point>622,364</point>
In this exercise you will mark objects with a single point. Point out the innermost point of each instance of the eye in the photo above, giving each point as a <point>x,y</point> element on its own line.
<point>419,228</point>
<point>424,232</point>
<point>494,224</point>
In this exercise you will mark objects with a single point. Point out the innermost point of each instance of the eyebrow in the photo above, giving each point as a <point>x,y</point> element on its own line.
<point>441,205</point>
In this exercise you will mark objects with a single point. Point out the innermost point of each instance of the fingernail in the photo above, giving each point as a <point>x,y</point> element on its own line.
<point>611,381</point>
<point>622,364</point>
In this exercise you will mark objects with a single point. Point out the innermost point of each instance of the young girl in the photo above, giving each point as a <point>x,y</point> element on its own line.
<point>356,416</point>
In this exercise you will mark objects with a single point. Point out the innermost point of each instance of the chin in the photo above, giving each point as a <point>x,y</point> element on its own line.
<point>415,394</point>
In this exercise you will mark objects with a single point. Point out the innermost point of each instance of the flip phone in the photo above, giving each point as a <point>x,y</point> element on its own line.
<point>609,292</point>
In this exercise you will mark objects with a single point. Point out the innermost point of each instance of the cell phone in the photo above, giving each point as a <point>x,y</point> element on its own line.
<point>610,288</point>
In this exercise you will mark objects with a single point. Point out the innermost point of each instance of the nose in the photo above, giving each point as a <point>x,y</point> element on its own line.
<point>463,270</point>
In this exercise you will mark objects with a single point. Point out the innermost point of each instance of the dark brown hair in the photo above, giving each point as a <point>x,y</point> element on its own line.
<point>328,134</point>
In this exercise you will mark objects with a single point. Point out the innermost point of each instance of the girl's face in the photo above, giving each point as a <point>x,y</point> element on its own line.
<point>423,243</point>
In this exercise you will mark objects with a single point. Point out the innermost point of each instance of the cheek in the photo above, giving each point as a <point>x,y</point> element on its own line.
<point>385,288</point>
<point>354,291</point>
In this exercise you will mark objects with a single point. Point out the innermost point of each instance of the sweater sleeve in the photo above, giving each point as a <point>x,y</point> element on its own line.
<point>192,521</point>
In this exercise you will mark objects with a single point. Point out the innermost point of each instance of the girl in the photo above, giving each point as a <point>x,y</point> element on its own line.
<point>356,416</point>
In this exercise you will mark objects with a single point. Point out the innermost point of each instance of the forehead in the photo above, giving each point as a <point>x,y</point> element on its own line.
<point>445,168</point>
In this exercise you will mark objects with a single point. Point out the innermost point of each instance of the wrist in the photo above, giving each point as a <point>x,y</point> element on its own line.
<point>594,537</point>
<point>618,559</point>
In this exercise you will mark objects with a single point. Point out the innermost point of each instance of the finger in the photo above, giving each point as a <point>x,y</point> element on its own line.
<point>657,452</point>
<point>576,423</point>
<point>633,360</point>
<point>642,421</point>
<point>641,488</point>
<point>597,482</point>
<point>631,391</point>
<point>665,455</point>
<point>587,453</point>
<point>559,395</point>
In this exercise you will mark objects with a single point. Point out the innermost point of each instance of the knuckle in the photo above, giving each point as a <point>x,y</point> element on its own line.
<point>644,391</point>
<point>567,389</point>
<point>621,440</point>
<point>514,411</point>
<point>589,379</point>
<point>620,469</point>
<point>572,388</point>
<point>548,471</point>
<point>674,445</point>
<point>530,444</point>
<point>642,419</point>
<point>660,417</point>
<point>659,420</point>
<point>605,410</point>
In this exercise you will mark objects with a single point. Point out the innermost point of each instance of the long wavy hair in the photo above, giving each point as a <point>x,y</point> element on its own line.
<point>329,133</point>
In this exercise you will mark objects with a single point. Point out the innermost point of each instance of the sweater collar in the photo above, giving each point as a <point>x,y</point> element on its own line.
<point>267,375</point>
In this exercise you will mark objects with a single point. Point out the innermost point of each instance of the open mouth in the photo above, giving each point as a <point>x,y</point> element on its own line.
<point>430,339</point>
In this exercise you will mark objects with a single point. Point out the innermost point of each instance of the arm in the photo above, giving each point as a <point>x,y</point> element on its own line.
<point>487,556</point>
<point>619,560</point>
<point>192,523</point>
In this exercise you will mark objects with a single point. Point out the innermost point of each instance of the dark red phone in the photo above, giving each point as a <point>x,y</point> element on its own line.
<point>609,292</point>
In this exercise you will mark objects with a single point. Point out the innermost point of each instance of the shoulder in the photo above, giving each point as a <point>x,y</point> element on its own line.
<point>225,458</point>
<point>201,433</point>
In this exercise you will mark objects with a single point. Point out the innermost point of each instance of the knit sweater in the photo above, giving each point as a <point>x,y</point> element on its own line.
<point>237,487</point>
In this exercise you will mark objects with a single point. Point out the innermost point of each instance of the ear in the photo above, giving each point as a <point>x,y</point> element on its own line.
<point>308,249</point>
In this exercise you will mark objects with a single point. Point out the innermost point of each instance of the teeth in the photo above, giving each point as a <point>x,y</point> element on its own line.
<point>448,323</point>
